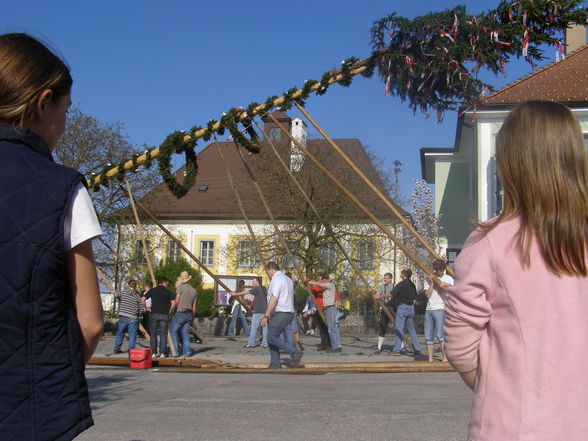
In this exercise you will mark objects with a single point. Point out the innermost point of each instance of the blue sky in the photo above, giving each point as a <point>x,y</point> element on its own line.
<point>162,66</point>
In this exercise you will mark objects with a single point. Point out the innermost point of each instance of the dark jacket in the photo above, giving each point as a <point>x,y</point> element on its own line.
<point>404,293</point>
<point>43,391</point>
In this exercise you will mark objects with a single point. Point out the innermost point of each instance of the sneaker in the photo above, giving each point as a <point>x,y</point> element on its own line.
<point>296,357</point>
<point>117,351</point>
<point>159,356</point>
<point>396,353</point>
<point>250,346</point>
<point>377,351</point>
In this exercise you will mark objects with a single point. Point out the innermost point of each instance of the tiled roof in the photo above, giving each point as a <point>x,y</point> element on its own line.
<point>217,201</point>
<point>565,81</point>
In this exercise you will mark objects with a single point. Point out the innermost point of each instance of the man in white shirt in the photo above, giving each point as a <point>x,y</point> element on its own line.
<point>435,312</point>
<point>278,315</point>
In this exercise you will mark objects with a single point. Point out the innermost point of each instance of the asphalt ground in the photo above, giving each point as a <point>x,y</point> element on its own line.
<point>153,405</point>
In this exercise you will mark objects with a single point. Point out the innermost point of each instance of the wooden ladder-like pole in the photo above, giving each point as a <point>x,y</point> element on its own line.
<point>353,198</point>
<point>301,274</point>
<point>325,224</point>
<point>188,252</point>
<point>111,287</point>
<point>375,189</point>
<point>147,258</point>
<point>241,206</point>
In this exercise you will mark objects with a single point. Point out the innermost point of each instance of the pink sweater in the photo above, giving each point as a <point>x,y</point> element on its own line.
<point>526,330</point>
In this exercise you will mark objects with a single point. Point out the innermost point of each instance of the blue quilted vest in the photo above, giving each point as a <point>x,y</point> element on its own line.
<point>43,391</point>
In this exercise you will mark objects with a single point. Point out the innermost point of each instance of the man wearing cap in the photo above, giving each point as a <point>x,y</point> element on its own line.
<point>186,301</point>
<point>330,303</point>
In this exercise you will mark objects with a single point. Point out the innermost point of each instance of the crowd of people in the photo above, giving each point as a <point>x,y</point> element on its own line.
<point>324,307</point>
<point>515,319</point>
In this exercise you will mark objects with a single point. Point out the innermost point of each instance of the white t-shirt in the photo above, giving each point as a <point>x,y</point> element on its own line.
<point>81,222</point>
<point>282,288</point>
<point>437,301</point>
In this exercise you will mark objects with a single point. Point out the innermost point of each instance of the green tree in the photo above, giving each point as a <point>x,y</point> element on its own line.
<point>171,269</point>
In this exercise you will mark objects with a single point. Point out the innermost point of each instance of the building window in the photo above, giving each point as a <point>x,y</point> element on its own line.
<point>207,252</point>
<point>275,134</point>
<point>139,253</point>
<point>365,255</point>
<point>452,254</point>
<point>174,252</point>
<point>287,263</point>
<point>328,255</point>
<point>247,254</point>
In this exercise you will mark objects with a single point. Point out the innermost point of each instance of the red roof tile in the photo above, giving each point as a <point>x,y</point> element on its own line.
<point>218,200</point>
<point>565,82</point>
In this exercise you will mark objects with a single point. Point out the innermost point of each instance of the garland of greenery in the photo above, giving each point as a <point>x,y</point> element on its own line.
<point>176,142</point>
<point>431,61</point>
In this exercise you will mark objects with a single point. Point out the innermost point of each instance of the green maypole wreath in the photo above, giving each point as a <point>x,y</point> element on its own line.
<point>175,142</point>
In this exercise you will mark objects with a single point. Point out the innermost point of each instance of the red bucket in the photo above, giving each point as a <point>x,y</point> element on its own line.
<point>140,358</point>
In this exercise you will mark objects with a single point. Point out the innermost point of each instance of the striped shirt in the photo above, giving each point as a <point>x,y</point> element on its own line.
<point>130,304</point>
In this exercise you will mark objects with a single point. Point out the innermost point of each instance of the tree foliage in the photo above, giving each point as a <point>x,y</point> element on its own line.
<point>171,269</point>
<point>313,248</point>
<point>88,144</point>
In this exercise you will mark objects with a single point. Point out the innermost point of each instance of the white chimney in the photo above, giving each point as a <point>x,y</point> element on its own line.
<point>298,133</point>
<point>575,37</point>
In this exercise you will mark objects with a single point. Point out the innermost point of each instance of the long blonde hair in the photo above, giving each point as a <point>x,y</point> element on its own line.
<point>543,167</point>
<point>27,67</point>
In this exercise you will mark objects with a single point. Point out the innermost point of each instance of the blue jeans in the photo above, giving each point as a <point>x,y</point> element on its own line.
<point>124,324</point>
<point>287,335</point>
<point>238,314</point>
<point>181,322</point>
<point>434,319</point>
<point>333,325</point>
<point>255,319</point>
<point>277,324</point>
<point>158,322</point>
<point>405,316</point>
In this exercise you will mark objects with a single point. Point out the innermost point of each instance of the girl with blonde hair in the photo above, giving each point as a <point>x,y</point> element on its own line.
<point>517,317</point>
<point>51,313</point>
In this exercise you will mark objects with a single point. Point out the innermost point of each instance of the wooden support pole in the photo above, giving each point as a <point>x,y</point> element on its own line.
<point>131,165</point>
<point>325,224</point>
<point>353,198</point>
<point>241,206</point>
<point>187,251</point>
<point>147,258</point>
<point>141,233</point>
<point>273,220</point>
<point>111,287</point>
<point>375,189</point>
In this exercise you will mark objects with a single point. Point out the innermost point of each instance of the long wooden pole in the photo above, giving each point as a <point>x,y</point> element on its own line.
<point>187,251</point>
<point>353,198</point>
<point>325,224</point>
<point>111,287</point>
<point>131,165</point>
<point>147,258</point>
<point>301,275</point>
<point>241,206</point>
<point>141,233</point>
<point>375,189</point>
